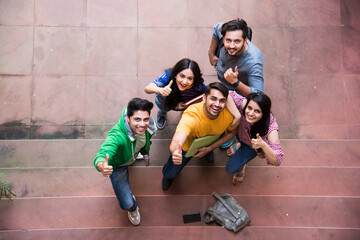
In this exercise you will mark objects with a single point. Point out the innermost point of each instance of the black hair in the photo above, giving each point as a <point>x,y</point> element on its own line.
<point>264,102</point>
<point>174,98</point>
<point>234,25</point>
<point>219,86</point>
<point>138,104</point>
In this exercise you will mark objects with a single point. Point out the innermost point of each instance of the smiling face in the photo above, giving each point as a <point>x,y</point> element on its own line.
<point>139,122</point>
<point>253,112</point>
<point>214,103</point>
<point>234,42</point>
<point>185,79</point>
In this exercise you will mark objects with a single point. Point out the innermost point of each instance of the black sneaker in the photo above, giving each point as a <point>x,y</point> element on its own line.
<point>160,121</point>
<point>166,183</point>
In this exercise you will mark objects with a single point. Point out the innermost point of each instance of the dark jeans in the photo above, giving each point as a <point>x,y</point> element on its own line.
<point>170,170</point>
<point>160,102</point>
<point>237,161</point>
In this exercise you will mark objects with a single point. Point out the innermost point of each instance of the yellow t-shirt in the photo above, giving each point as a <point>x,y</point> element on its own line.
<point>196,125</point>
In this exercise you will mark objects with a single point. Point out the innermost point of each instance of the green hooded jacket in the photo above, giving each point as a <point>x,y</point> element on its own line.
<point>120,143</point>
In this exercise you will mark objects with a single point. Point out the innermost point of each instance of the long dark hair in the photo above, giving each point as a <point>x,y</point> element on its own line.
<point>174,98</point>
<point>264,102</point>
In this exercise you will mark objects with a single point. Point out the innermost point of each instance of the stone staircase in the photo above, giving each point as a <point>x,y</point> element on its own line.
<point>314,194</point>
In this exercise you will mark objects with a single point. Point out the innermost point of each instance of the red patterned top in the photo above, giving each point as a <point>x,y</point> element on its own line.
<point>244,129</point>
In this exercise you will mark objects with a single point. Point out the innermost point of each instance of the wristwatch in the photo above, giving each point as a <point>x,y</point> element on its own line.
<point>236,84</point>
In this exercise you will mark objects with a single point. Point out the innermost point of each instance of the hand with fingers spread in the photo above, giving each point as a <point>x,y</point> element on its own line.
<point>104,167</point>
<point>257,142</point>
<point>231,76</point>
<point>165,91</point>
<point>177,156</point>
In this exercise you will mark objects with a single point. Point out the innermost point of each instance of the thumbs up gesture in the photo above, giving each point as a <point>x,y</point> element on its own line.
<point>257,142</point>
<point>165,91</point>
<point>231,76</point>
<point>177,156</point>
<point>104,167</point>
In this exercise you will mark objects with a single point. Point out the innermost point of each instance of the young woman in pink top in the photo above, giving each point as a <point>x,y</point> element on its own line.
<point>257,135</point>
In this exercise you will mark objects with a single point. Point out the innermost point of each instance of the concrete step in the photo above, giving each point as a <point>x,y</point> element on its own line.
<point>314,194</point>
<point>193,180</point>
<point>185,233</point>
<point>161,211</point>
<point>81,152</point>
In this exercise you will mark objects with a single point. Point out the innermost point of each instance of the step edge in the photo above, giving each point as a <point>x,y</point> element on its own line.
<point>189,166</point>
<point>165,227</point>
<point>186,195</point>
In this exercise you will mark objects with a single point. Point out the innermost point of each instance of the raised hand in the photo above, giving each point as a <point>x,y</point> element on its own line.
<point>105,169</point>
<point>177,156</point>
<point>231,76</point>
<point>257,142</point>
<point>165,91</point>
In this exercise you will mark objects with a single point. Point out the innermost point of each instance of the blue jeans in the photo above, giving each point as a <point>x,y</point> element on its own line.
<point>170,170</point>
<point>120,182</point>
<point>243,155</point>
<point>160,102</point>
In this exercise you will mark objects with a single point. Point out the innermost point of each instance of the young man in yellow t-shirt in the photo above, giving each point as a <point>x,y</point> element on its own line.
<point>209,117</point>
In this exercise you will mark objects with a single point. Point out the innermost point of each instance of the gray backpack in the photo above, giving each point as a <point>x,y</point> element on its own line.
<point>227,212</point>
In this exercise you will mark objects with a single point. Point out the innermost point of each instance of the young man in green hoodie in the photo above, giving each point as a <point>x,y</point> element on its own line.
<point>124,142</point>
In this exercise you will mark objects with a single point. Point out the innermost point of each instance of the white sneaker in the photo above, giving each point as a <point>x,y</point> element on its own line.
<point>134,216</point>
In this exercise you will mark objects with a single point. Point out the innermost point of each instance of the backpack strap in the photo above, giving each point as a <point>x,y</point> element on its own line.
<point>235,214</point>
<point>216,215</point>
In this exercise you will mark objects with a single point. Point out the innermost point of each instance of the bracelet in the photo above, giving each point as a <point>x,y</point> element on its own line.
<point>236,84</point>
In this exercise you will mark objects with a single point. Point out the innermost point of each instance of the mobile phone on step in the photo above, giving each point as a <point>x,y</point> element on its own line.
<point>192,217</point>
